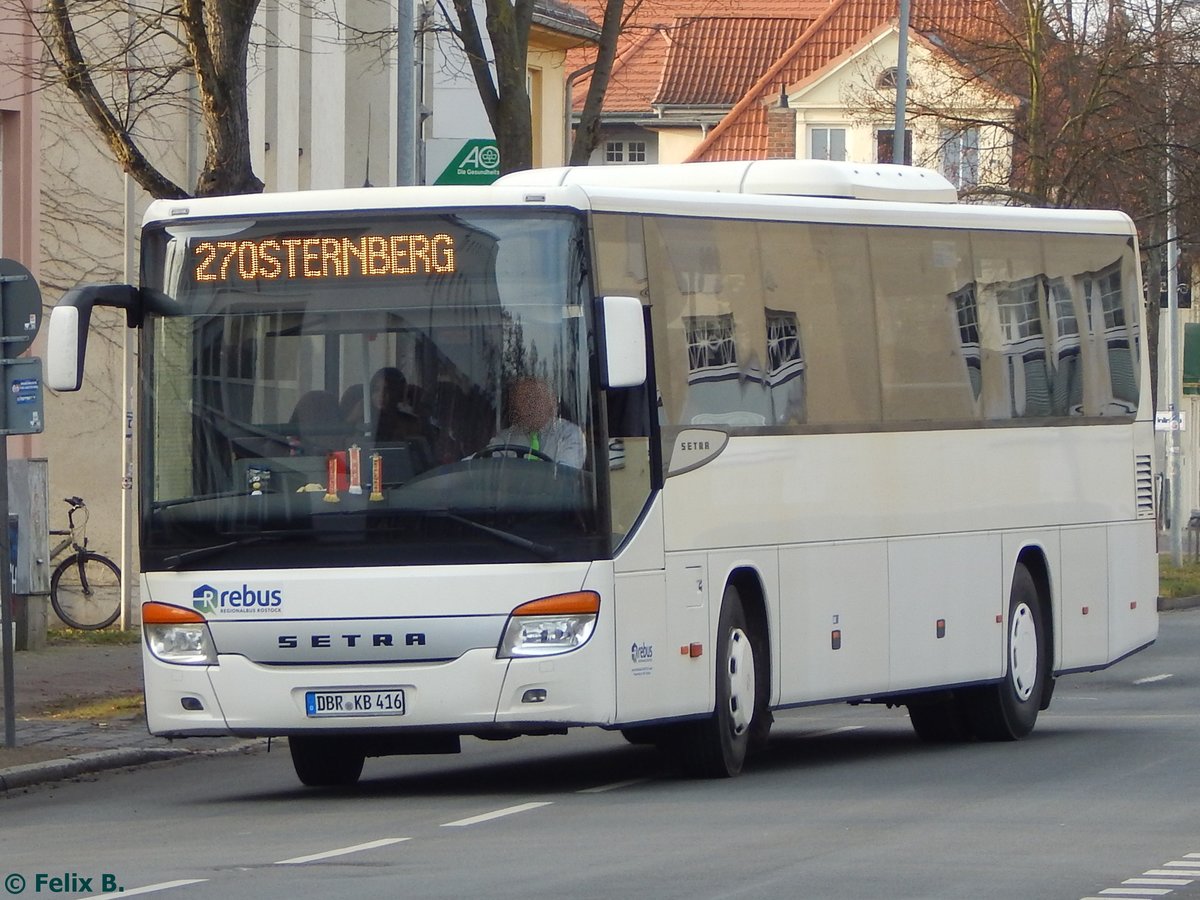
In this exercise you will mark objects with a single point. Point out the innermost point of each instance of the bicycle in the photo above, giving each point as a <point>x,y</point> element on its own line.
<point>85,589</point>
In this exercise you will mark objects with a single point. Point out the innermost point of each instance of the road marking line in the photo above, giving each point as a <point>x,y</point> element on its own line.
<point>616,785</point>
<point>1136,892</point>
<point>828,731</point>
<point>1195,872</point>
<point>369,845</point>
<point>500,813</point>
<point>1191,856</point>
<point>151,888</point>
<point>1153,678</point>
<point>1181,864</point>
<point>1162,882</point>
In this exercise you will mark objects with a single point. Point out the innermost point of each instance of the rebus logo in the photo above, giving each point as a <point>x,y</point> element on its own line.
<point>207,599</point>
<point>204,598</point>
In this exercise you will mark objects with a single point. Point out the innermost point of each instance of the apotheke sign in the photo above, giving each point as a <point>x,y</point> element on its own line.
<point>476,162</point>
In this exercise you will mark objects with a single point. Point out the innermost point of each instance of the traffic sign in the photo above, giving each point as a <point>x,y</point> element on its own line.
<point>20,307</point>
<point>24,410</point>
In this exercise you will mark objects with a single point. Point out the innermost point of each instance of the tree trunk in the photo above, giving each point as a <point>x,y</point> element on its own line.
<point>218,36</point>
<point>587,135</point>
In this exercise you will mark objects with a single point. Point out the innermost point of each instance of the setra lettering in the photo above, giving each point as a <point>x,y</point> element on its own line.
<point>327,641</point>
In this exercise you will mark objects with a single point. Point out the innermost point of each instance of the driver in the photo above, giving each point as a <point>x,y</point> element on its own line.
<point>534,424</point>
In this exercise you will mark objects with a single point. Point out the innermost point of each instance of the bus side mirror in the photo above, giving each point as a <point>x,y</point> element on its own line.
<point>66,342</point>
<point>622,342</point>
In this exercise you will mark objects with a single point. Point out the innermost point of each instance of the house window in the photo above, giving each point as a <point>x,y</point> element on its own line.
<point>625,151</point>
<point>827,143</point>
<point>889,78</point>
<point>885,143</point>
<point>960,156</point>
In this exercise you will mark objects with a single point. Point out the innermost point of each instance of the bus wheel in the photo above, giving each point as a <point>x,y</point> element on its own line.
<point>716,747</point>
<point>326,761</point>
<point>1007,711</point>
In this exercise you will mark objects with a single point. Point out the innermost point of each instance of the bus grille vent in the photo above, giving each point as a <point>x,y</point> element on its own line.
<point>1144,477</point>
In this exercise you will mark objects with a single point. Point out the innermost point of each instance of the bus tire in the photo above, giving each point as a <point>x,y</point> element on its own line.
<point>716,747</point>
<point>322,761</point>
<point>1008,710</point>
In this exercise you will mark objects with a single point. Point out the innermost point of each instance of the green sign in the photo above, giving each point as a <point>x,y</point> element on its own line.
<point>477,162</point>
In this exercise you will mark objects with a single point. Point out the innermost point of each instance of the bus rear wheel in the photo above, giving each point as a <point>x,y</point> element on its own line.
<point>1008,710</point>
<point>326,761</point>
<point>716,747</point>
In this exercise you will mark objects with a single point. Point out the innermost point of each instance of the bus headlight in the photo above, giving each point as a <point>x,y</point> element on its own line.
<point>551,625</point>
<point>177,635</point>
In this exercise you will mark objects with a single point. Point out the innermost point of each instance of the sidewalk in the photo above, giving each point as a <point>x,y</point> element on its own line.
<point>53,744</point>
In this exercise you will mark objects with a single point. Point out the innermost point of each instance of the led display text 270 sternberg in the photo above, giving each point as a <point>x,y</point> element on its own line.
<point>370,256</point>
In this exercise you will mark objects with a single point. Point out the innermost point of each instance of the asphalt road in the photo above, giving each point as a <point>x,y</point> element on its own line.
<point>1103,800</point>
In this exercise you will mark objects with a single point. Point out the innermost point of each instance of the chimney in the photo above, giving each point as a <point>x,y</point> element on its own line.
<point>781,129</point>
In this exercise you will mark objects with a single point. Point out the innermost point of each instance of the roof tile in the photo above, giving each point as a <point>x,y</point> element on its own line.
<point>715,60</point>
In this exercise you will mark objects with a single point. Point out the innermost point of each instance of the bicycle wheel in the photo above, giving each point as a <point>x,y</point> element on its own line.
<point>85,591</point>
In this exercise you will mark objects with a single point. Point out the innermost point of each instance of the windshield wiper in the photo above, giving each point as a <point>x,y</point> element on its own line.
<point>178,559</point>
<point>545,551</point>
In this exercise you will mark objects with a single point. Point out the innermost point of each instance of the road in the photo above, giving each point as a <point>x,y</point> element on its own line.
<point>845,803</point>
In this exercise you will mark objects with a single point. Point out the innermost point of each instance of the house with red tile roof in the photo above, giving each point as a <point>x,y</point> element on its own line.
<point>808,79</point>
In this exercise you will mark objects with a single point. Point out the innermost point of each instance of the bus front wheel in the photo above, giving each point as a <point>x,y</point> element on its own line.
<point>716,747</point>
<point>326,761</point>
<point>1008,710</point>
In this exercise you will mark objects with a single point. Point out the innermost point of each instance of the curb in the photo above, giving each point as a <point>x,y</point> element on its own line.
<point>103,760</point>
<point>1170,603</point>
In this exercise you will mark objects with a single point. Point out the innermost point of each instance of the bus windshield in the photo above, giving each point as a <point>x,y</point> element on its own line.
<point>367,389</point>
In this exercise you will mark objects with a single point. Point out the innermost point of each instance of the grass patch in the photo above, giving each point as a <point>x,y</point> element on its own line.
<point>1178,582</point>
<point>95,707</point>
<point>103,638</point>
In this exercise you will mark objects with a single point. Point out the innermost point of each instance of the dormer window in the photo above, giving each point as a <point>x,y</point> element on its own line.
<point>889,78</point>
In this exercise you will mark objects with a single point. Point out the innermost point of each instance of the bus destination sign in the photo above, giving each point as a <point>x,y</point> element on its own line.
<point>323,257</point>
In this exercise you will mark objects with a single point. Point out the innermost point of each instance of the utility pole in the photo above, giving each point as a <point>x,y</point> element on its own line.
<point>901,86</point>
<point>406,97</point>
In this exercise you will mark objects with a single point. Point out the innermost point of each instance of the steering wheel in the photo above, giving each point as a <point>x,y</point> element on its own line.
<point>519,450</point>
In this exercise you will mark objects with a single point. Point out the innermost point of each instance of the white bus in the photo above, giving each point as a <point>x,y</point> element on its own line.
<point>806,432</point>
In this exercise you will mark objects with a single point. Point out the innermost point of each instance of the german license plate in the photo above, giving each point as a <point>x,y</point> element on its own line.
<point>354,703</point>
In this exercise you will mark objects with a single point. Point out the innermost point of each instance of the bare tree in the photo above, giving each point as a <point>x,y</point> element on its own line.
<point>129,58</point>
<point>505,96</point>
<point>587,133</point>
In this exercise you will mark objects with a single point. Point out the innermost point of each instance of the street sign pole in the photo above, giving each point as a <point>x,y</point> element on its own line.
<point>21,408</point>
<point>6,610</point>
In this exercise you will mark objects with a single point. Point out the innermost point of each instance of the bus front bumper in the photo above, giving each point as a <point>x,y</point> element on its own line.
<point>476,693</point>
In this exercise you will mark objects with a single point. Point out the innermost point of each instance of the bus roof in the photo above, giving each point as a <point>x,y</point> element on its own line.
<point>790,177</point>
<point>772,190</point>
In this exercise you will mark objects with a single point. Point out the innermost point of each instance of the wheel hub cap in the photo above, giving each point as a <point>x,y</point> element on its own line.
<point>1023,652</point>
<point>741,681</point>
